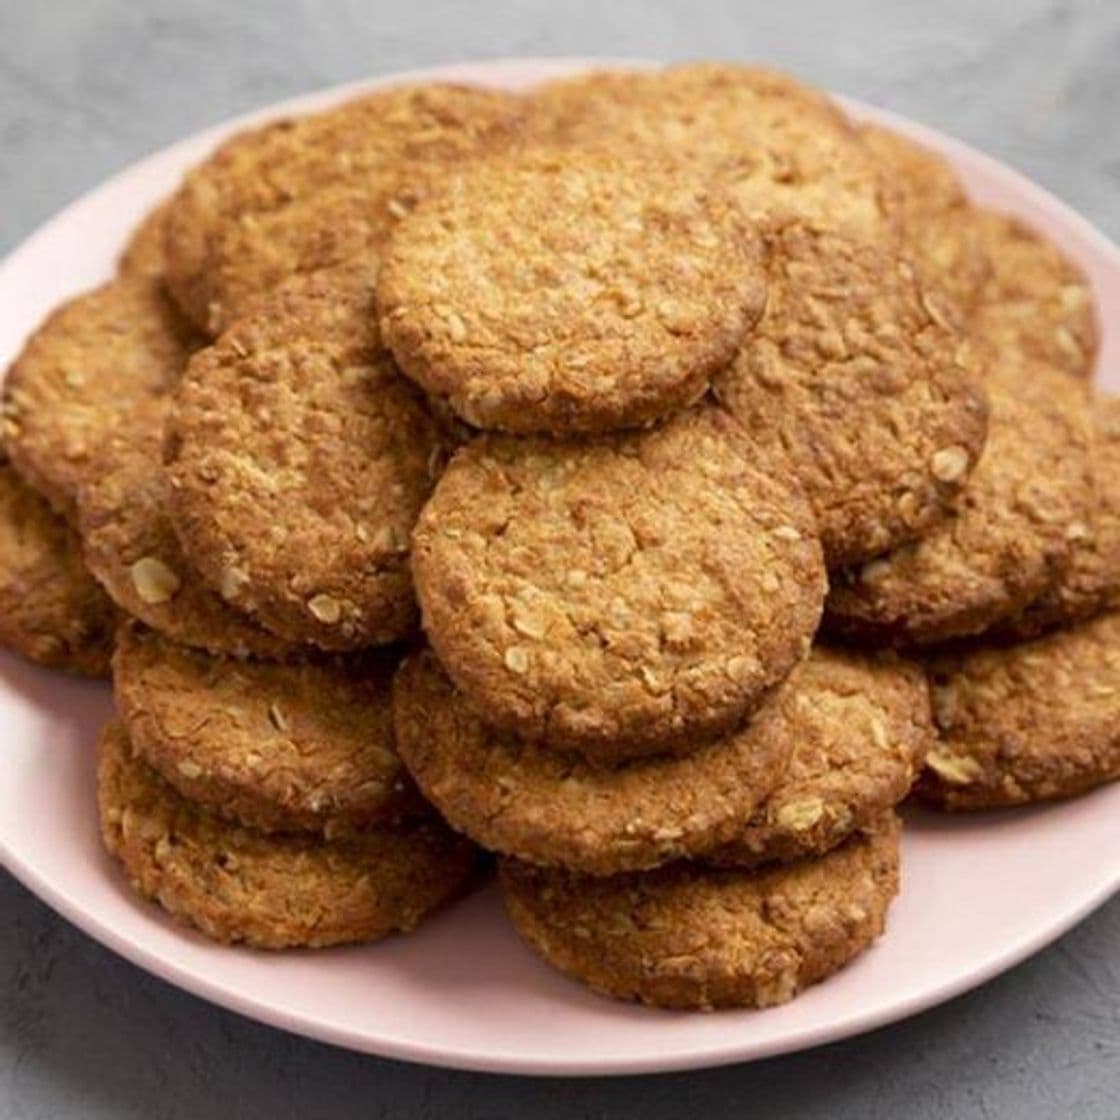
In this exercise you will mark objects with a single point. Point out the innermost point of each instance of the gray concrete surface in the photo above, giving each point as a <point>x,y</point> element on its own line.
<point>86,86</point>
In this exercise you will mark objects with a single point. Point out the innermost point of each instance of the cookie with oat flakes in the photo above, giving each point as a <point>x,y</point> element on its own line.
<point>1009,539</point>
<point>538,293</point>
<point>307,193</point>
<point>688,936</point>
<point>1025,723</point>
<point>90,361</point>
<point>1037,301</point>
<point>778,146</point>
<point>629,596</point>
<point>860,727</point>
<point>298,747</point>
<point>129,544</point>
<point>552,807</point>
<point>270,891</point>
<point>51,609</point>
<point>939,225</point>
<point>863,375</point>
<point>299,459</point>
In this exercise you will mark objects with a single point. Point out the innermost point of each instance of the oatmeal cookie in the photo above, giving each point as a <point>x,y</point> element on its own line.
<point>130,546</point>
<point>545,294</point>
<point>88,364</point>
<point>626,597</point>
<point>688,936</point>
<point>863,374</point>
<point>275,747</point>
<point>861,728</point>
<point>1024,723</point>
<point>939,225</point>
<point>299,459</point>
<point>143,256</point>
<point>1037,301</point>
<point>1007,542</point>
<point>307,193</point>
<point>554,808</point>
<point>268,891</point>
<point>780,147</point>
<point>51,609</point>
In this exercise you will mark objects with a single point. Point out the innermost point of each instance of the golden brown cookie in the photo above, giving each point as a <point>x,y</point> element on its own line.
<point>1037,301</point>
<point>861,728</point>
<point>307,193</point>
<point>541,293</point>
<point>130,546</point>
<point>694,937</point>
<point>299,460</point>
<point>144,255</point>
<point>1008,540</point>
<point>780,147</point>
<point>275,747</point>
<point>51,609</point>
<point>1029,722</point>
<point>864,376</point>
<point>626,597</point>
<point>269,891</point>
<point>938,223</point>
<point>1091,581</point>
<point>554,808</point>
<point>90,361</point>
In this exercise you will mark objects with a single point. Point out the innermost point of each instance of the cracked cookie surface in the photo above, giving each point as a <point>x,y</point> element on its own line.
<point>552,807</point>
<point>860,728</point>
<point>299,460</point>
<point>687,936</point>
<point>863,375</point>
<point>51,609</point>
<point>307,193</point>
<point>538,293</point>
<point>1028,722</point>
<point>625,597</point>
<point>305,746</point>
<point>271,892</point>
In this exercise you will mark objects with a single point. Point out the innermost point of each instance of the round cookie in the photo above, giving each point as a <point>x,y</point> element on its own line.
<point>129,544</point>
<point>1091,581</point>
<point>144,255</point>
<point>91,360</point>
<point>553,808</point>
<point>864,376</point>
<point>307,193</point>
<point>51,609</point>
<point>861,729</point>
<point>938,223</point>
<point>1037,301</point>
<point>271,892</point>
<point>539,293</point>
<point>275,747</point>
<point>1008,540</point>
<point>1026,723</point>
<point>627,597</point>
<point>687,936</point>
<point>299,460</point>
<point>778,146</point>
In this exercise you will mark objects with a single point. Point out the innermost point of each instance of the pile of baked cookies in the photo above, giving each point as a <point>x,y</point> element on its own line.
<point>741,477</point>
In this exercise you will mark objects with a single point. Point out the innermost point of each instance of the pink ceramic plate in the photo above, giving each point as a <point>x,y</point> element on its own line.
<point>980,893</point>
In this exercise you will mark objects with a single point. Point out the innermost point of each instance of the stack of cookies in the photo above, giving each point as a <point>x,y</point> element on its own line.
<point>652,480</point>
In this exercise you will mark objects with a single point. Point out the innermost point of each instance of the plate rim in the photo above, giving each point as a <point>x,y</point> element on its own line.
<point>708,1055</point>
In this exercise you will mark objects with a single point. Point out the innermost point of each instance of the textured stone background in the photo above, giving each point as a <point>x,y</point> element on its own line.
<point>86,86</point>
